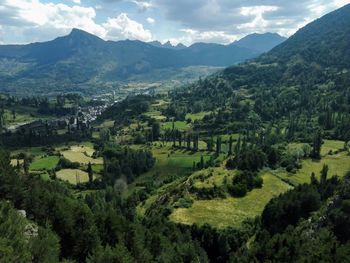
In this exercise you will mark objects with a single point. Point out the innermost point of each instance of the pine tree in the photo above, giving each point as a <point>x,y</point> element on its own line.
<point>188,142</point>
<point>202,162</point>
<point>230,143</point>
<point>317,144</point>
<point>324,173</point>
<point>174,134</point>
<point>210,144</point>
<point>313,179</point>
<point>90,173</point>
<point>195,142</point>
<point>26,166</point>
<point>218,145</point>
<point>179,137</point>
<point>156,131</point>
<point>238,146</point>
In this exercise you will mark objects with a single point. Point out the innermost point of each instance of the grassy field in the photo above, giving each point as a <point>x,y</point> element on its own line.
<point>180,125</point>
<point>20,118</point>
<point>73,176</point>
<point>81,154</point>
<point>157,115</point>
<point>44,163</point>
<point>197,116</point>
<point>106,124</point>
<point>97,168</point>
<point>331,145</point>
<point>212,177</point>
<point>169,164</point>
<point>234,136</point>
<point>339,164</point>
<point>160,103</point>
<point>184,159</point>
<point>222,213</point>
<point>23,114</point>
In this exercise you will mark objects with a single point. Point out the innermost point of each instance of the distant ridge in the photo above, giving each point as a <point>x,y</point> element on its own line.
<point>260,42</point>
<point>167,45</point>
<point>81,58</point>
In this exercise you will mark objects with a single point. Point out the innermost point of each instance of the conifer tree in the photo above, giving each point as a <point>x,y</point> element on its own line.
<point>317,144</point>
<point>230,143</point>
<point>90,172</point>
<point>218,145</point>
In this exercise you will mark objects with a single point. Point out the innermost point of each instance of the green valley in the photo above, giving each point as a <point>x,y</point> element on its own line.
<point>127,151</point>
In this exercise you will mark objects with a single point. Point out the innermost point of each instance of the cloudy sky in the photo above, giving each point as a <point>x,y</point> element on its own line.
<point>186,21</point>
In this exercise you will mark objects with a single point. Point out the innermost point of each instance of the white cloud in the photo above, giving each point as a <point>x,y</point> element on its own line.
<point>242,17</point>
<point>123,27</point>
<point>32,20</point>
<point>223,21</point>
<point>191,36</point>
<point>46,18</point>
<point>143,5</point>
<point>340,3</point>
<point>258,24</point>
<point>151,20</point>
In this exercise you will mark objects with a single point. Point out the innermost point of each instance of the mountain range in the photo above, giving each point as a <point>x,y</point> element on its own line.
<point>167,45</point>
<point>81,58</point>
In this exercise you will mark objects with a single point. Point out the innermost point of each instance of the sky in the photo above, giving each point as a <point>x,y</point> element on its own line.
<point>185,21</point>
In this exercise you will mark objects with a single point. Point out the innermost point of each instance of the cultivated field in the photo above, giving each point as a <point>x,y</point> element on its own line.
<point>338,164</point>
<point>81,154</point>
<point>73,176</point>
<point>179,125</point>
<point>231,211</point>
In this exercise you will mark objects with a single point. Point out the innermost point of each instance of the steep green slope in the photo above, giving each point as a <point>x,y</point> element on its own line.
<point>324,41</point>
<point>302,83</point>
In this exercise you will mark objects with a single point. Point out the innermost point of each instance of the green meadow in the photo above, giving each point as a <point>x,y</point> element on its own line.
<point>44,163</point>
<point>197,116</point>
<point>222,213</point>
<point>333,155</point>
<point>179,125</point>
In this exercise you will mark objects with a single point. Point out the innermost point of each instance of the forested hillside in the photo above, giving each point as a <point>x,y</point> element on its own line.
<point>304,82</point>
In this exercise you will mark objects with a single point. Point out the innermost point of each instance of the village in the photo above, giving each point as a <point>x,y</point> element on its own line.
<point>81,120</point>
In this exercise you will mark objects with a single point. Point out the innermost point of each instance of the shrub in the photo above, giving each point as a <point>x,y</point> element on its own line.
<point>237,190</point>
<point>67,164</point>
<point>290,168</point>
<point>258,182</point>
<point>184,202</point>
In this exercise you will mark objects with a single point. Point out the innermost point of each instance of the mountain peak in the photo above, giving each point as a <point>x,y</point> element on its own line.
<point>260,42</point>
<point>79,34</point>
<point>167,45</point>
